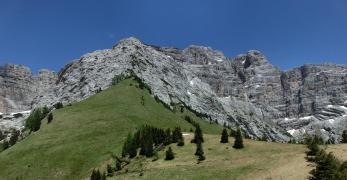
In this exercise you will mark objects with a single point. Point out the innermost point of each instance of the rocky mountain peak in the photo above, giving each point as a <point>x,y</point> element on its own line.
<point>246,91</point>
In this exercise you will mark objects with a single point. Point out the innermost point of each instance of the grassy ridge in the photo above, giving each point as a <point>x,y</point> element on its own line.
<point>87,133</point>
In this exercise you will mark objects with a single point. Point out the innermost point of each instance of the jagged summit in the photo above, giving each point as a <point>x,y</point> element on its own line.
<point>245,91</point>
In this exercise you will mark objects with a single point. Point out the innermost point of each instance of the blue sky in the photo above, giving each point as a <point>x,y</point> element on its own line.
<point>48,34</point>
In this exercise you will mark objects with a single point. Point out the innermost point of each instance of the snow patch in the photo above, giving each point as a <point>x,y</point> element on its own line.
<point>305,117</point>
<point>243,62</point>
<point>343,107</point>
<point>169,56</point>
<point>291,132</point>
<point>191,83</point>
<point>189,93</point>
<point>185,134</point>
<point>331,121</point>
<point>1,113</point>
<point>256,86</point>
<point>330,106</point>
<point>288,119</point>
<point>219,59</point>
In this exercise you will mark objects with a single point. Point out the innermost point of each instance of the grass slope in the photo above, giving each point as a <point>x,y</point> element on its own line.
<point>258,160</point>
<point>85,134</point>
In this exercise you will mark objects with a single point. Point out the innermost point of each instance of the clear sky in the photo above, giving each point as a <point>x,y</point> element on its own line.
<point>50,33</point>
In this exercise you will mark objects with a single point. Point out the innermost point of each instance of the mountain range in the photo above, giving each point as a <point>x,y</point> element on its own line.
<point>245,91</point>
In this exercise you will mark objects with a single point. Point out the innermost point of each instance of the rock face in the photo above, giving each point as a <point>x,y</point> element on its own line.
<point>18,87</point>
<point>246,91</point>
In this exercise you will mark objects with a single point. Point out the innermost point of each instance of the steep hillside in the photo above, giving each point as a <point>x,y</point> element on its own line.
<point>85,134</point>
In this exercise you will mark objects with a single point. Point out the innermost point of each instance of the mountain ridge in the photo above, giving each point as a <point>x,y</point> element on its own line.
<point>244,91</point>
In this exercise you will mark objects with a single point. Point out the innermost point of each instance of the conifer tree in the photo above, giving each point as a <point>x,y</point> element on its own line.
<point>344,136</point>
<point>313,148</point>
<point>198,136</point>
<point>238,144</point>
<point>118,165</point>
<point>5,145</point>
<point>168,137</point>
<point>126,145</point>
<point>149,146</point>
<point>50,118</point>
<point>109,170</point>
<point>199,151</point>
<point>14,137</point>
<point>327,168</point>
<point>169,154</point>
<point>96,175</point>
<point>224,137</point>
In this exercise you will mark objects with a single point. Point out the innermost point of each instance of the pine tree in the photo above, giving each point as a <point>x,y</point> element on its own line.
<point>224,137</point>
<point>50,118</point>
<point>96,175</point>
<point>126,145</point>
<point>344,136</point>
<point>149,146</point>
<point>198,136</point>
<point>168,137</point>
<point>180,142</point>
<point>313,149</point>
<point>118,165</point>
<point>238,144</point>
<point>327,168</point>
<point>14,137</point>
<point>5,145</point>
<point>132,149</point>
<point>199,151</point>
<point>169,154</point>
<point>109,170</point>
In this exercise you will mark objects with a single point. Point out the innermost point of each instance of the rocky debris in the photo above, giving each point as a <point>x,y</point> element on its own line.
<point>245,91</point>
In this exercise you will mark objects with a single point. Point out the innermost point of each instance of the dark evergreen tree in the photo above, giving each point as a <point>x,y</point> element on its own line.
<point>118,165</point>
<point>132,149</point>
<point>199,151</point>
<point>5,145</point>
<point>168,137</point>
<point>344,136</point>
<point>96,175</point>
<point>327,168</point>
<point>225,136</point>
<point>181,142</point>
<point>14,137</point>
<point>33,122</point>
<point>313,148</point>
<point>149,146</point>
<point>126,145</point>
<point>177,135</point>
<point>169,154</point>
<point>109,170</point>
<point>198,136</point>
<point>50,118</point>
<point>44,112</point>
<point>238,144</point>
<point>58,105</point>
